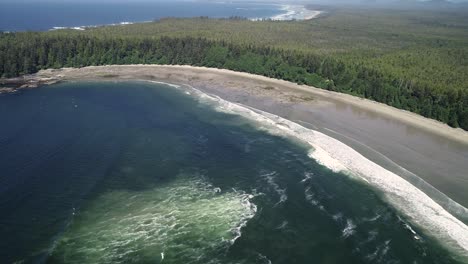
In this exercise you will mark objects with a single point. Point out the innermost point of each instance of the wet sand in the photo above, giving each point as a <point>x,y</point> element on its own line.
<point>405,143</point>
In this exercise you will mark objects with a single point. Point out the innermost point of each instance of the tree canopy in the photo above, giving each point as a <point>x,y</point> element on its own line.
<point>406,60</point>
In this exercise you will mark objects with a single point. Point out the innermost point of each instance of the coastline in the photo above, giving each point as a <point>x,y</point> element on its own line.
<point>265,93</point>
<point>14,85</point>
<point>413,203</point>
<point>429,154</point>
<point>46,77</point>
<point>283,12</point>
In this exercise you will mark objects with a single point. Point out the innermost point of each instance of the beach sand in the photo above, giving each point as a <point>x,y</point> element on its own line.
<point>405,143</point>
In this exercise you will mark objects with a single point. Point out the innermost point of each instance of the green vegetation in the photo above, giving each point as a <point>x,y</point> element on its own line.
<point>412,60</point>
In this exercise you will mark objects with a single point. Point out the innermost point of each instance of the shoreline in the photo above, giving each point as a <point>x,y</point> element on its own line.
<point>47,77</point>
<point>429,154</point>
<point>295,12</point>
<point>248,90</point>
<point>289,12</point>
<point>405,143</point>
<point>425,213</point>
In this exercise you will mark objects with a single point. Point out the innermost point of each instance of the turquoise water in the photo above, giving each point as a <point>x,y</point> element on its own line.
<point>135,172</point>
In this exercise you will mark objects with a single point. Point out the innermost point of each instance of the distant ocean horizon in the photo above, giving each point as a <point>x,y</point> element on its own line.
<point>54,15</point>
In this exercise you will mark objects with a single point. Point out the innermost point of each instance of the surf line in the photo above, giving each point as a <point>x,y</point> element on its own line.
<point>413,203</point>
<point>442,199</point>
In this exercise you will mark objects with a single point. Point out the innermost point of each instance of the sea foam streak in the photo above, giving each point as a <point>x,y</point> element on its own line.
<point>186,220</point>
<point>270,179</point>
<point>419,208</point>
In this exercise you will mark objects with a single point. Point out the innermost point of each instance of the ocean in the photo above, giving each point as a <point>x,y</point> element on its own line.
<point>140,172</point>
<point>33,16</point>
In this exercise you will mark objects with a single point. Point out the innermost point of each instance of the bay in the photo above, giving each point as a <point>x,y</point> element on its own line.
<point>136,172</point>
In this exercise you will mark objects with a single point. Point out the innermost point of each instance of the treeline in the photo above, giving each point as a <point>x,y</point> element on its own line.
<point>23,53</point>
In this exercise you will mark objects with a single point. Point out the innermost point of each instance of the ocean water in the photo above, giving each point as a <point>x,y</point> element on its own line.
<point>34,16</point>
<point>138,172</point>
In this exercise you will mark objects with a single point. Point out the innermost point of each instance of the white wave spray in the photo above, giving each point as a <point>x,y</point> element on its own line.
<point>417,206</point>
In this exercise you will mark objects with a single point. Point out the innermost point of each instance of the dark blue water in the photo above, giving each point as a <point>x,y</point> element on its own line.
<point>21,16</point>
<point>135,172</point>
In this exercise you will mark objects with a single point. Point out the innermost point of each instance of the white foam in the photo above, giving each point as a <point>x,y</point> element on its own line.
<point>453,207</point>
<point>251,211</point>
<point>282,225</point>
<point>419,208</point>
<point>264,258</point>
<point>271,180</point>
<point>407,226</point>
<point>380,252</point>
<point>307,176</point>
<point>168,84</point>
<point>337,216</point>
<point>157,221</point>
<point>74,28</point>
<point>349,229</point>
<point>372,219</point>
<point>95,26</point>
<point>310,196</point>
<point>295,12</point>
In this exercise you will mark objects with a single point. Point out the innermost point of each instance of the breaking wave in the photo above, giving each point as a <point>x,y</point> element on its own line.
<point>417,206</point>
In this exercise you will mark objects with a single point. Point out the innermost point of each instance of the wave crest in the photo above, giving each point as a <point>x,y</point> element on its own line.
<point>417,206</point>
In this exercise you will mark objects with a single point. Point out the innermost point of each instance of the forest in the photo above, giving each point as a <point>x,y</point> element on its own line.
<point>417,61</point>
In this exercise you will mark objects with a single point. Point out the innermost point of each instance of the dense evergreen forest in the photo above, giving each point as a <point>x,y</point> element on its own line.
<point>409,60</point>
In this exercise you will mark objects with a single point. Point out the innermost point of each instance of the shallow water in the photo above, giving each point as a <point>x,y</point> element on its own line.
<point>134,172</point>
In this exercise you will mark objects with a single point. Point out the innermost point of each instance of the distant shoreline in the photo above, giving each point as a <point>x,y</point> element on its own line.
<point>296,12</point>
<point>285,12</point>
<point>291,12</point>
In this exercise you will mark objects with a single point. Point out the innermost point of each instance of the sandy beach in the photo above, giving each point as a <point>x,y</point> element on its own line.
<point>423,151</point>
<point>390,149</point>
<point>251,84</point>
